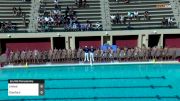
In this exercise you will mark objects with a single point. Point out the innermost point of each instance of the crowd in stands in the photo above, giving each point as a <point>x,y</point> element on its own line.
<point>121,19</point>
<point>167,22</point>
<point>100,55</point>
<point>68,18</point>
<point>126,19</point>
<point>18,12</point>
<point>7,27</point>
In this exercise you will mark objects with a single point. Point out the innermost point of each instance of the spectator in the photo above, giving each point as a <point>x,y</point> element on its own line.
<point>129,15</point>
<point>117,18</point>
<point>129,25</point>
<point>98,26</point>
<point>89,25</point>
<point>72,12</point>
<point>122,19</point>
<point>113,19</point>
<point>84,3</point>
<point>136,15</point>
<point>80,3</point>
<point>164,22</point>
<point>24,18</point>
<point>67,11</point>
<point>74,26</point>
<point>4,26</point>
<point>19,12</point>
<point>76,2</point>
<point>146,15</point>
<point>14,11</point>
<point>55,2</point>
<point>170,22</point>
<point>9,26</point>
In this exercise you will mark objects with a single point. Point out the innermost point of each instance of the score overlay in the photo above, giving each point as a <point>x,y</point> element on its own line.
<point>25,87</point>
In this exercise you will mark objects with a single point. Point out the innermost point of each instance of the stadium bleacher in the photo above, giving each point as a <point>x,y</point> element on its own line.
<point>156,8</point>
<point>6,13</point>
<point>91,12</point>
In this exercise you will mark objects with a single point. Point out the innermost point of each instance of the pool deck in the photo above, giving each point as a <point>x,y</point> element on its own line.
<point>89,64</point>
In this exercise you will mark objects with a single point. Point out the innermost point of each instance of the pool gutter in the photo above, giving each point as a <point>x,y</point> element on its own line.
<point>89,64</point>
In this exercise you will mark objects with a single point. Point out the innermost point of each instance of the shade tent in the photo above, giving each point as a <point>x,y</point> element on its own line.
<point>105,47</point>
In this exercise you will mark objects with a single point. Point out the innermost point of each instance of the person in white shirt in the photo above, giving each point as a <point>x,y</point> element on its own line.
<point>129,15</point>
<point>136,14</point>
<point>74,26</point>
<point>113,18</point>
<point>122,19</point>
<point>56,2</point>
<point>46,19</point>
<point>170,21</point>
<point>98,26</point>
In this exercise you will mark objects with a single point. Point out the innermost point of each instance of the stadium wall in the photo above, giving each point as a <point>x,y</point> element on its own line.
<point>71,37</point>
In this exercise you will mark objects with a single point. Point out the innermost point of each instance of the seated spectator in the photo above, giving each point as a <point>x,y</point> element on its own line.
<point>66,27</point>
<point>4,27</point>
<point>55,12</point>
<point>46,27</point>
<point>89,25</point>
<point>136,15</point>
<point>24,18</point>
<point>67,11</point>
<point>113,19</point>
<point>84,3</point>
<point>129,15</point>
<point>76,2</point>
<point>72,12</point>
<point>83,27</point>
<point>9,27</point>
<point>164,22</point>
<point>170,22</point>
<point>14,11</point>
<point>19,11</point>
<point>51,20</point>
<point>80,3</point>
<point>122,19</point>
<point>129,25</point>
<point>74,26</point>
<point>55,2</point>
<point>98,26</point>
<point>146,15</point>
<point>117,18</point>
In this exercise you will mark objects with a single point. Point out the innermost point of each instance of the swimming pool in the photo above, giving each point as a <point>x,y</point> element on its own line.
<point>138,82</point>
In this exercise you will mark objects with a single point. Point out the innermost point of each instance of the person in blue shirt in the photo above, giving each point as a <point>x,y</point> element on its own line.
<point>86,54</point>
<point>91,54</point>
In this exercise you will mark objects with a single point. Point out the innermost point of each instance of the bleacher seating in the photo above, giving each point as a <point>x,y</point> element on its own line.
<point>6,13</point>
<point>156,13</point>
<point>92,12</point>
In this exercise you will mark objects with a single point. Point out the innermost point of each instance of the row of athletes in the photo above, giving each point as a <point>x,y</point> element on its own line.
<point>88,54</point>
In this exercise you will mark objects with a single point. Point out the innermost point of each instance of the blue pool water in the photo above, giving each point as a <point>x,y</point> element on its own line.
<point>150,82</point>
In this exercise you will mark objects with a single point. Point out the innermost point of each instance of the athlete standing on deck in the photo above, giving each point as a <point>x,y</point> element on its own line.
<point>86,54</point>
<point>92,54</point>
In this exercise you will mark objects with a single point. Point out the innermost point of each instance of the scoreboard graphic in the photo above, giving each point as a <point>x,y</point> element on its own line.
<point>25,87</point>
